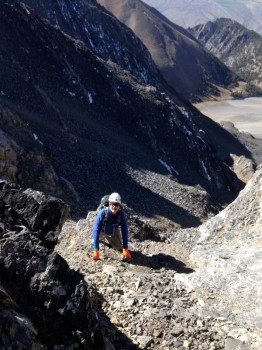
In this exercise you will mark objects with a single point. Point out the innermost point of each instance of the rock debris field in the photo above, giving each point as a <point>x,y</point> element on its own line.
<point>158,300</point>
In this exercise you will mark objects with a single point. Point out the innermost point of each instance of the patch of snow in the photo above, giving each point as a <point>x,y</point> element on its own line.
<point>37,139</point>
<point>90,98</point>
<point>26,322</point>
<point>187,132</point>
<point>71,93</point>
<point>26,9</point>
<point>169,168</point>
<point>205,170</point>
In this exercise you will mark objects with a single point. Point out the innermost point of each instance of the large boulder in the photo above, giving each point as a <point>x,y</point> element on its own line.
<point>43,303</point>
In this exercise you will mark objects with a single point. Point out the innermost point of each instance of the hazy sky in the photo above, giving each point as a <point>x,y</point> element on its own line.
<point>238,1</point>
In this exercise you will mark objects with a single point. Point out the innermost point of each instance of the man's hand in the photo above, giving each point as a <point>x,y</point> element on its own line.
<point>127,254</point>
<point>96,255</point>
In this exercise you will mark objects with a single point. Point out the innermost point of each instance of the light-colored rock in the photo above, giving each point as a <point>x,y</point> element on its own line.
<point>228,260</point>
<point>243,167</point>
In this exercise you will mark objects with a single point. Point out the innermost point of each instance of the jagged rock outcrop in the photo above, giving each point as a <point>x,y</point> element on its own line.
<point>9,152</point>
<point>236,46</point>
<point>244,168</point>
<point>226,254</point>
<point>43,303</point>
<point>247,140</point>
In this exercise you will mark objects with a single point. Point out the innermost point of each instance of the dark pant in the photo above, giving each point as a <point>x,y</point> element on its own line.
<point>114,240</point>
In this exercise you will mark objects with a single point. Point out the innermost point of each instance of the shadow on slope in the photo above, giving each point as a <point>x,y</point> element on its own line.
<point>159,261</point>
<point>102,157</point>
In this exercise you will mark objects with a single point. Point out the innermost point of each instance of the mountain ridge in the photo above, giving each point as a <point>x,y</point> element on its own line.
<point>241,50</point>
<point>188,13</point>
<point>183,62</point>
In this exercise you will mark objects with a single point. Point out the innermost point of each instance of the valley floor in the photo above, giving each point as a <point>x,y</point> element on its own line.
<point>242,118</point>
<point>245,114</point>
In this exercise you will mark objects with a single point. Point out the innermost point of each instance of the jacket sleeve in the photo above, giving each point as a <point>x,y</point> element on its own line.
<point>97,228</point>
<point>124,229</point>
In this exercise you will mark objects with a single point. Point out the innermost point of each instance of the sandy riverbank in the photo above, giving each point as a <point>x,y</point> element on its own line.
<point>245,114</point>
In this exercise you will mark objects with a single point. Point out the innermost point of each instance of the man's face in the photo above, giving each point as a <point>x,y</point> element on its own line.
<point>114,207</point>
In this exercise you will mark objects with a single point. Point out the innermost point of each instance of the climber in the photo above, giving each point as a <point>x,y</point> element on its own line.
<point>108,222</point>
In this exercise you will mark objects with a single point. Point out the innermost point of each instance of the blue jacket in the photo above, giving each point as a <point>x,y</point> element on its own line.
<point>111,227</point>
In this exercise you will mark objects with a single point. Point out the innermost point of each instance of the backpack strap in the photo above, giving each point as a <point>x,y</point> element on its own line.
<point>105,219</point>
<point>119,217</point>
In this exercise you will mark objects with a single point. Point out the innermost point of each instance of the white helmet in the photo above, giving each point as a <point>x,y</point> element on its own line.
<point>115,198</point>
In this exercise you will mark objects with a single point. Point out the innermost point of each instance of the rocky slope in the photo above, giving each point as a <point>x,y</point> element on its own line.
<point>86,21</point>
<point>196,288</point>
<point>236,46</point>
<point>184,63</point>
<point>69,120</point>
<point>72,118</point>
<point>189,289</point>
<point>227,256</point>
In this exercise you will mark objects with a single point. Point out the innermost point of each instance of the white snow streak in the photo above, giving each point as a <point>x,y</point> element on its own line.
<point>169,168</point>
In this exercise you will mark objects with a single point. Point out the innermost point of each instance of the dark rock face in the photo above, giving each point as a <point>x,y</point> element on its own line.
<point>236,46</point>
<point>102,33</point>
<point>31,210</point>
<point>44,304</point>
<point>40,285</point>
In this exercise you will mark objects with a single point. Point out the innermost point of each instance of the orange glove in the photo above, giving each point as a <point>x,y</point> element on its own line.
<point>127,254</point>
<point>96,255</point>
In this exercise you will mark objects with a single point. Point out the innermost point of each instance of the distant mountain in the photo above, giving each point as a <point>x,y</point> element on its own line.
<point>78,126</point>
<point>184,63</point>
<point>239,48</point>
<point>189,13</point>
